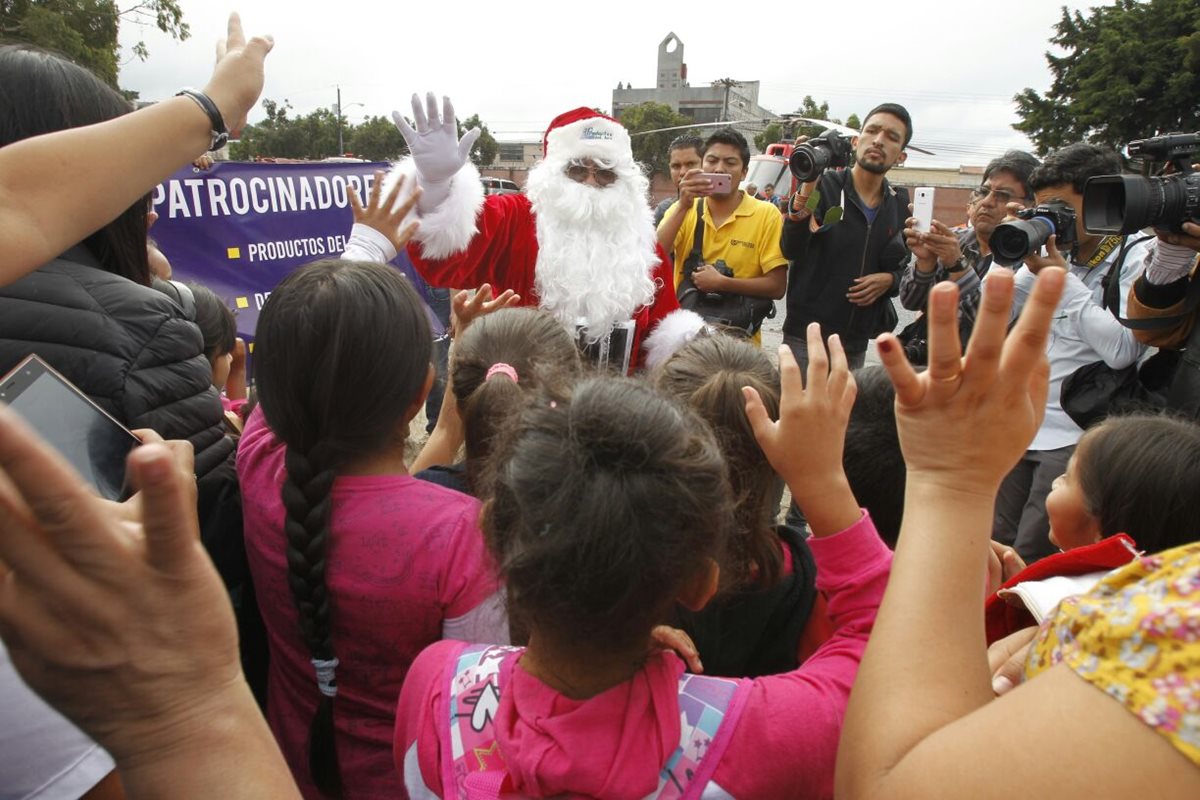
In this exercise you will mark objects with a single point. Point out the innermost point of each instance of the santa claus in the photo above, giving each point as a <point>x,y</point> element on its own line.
<point>579,243</point>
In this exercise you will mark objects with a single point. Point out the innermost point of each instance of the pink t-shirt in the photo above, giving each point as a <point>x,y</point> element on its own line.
<point>614,744</point>
<point>404,557</point>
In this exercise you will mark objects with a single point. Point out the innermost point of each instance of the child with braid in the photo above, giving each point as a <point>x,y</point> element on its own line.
<point>357,565</point>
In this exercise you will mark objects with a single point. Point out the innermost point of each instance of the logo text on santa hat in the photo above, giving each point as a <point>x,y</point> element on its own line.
<point>593,133</point>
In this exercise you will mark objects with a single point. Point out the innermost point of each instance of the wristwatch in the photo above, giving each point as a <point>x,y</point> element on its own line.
<point>220,134</point>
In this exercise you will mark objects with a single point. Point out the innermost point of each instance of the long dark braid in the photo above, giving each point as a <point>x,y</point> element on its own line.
<point>342,351</point>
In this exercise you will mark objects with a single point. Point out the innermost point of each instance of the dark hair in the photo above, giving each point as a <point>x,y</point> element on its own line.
<point>686,142</point>
<point>1017,163</point>
<point>215,320</point>
<point>42,93</point>
<point>731,137</point>
<point>1073,165</point>
<point>898,111</point>
<point>342,351</point>
<point>871,457</point>
<point>602,508</point>
<point>1140,475</point>
<point>708,375</point>
<point>533,343</point>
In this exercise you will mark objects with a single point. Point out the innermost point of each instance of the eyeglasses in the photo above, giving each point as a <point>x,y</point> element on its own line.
<point>579,173</point>
<point>1002,197</point>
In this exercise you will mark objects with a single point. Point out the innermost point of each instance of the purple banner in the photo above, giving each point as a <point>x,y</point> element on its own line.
<point>239,228</point>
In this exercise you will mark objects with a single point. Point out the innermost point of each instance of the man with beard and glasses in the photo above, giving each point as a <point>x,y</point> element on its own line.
<point>963,256</point>
<point>579,242</point>
<point>848,251</point>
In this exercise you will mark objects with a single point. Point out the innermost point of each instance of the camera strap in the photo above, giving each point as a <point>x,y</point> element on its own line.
<point>1111,299</point>
<point>696,257</point>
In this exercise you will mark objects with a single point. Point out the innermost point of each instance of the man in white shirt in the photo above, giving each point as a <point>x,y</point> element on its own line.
<point>1083,332</point>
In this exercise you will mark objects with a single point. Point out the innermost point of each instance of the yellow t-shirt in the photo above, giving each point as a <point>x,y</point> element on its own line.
<point>1136,637</point>
<point>749,241</point>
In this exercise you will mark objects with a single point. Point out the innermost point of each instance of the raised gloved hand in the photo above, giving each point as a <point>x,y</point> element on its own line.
<point>436,150</point>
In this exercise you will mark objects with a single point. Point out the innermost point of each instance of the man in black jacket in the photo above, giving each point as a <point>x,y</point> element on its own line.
<point>847,266</point>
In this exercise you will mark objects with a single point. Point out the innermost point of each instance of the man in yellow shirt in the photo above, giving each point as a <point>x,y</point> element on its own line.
<point>739,230</point>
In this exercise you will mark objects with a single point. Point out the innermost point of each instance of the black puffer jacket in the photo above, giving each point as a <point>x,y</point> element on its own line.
<point>126,346</point>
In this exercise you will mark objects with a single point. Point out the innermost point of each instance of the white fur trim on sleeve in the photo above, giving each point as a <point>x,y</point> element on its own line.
<point>671,333</point>
<point>449,228</point>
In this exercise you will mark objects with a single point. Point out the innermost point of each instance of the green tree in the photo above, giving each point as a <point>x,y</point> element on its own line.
<point>313,136</point>
<point>376,139</point>
<point>853,121</point>
<point>486,148</point>
<point>812,110</point>
<point>651,148</point>
<point>86,30</point>
<point>1130,69</point>
<point>771,134</point>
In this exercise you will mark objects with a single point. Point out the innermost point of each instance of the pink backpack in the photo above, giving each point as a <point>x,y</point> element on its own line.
<point>474,768</point>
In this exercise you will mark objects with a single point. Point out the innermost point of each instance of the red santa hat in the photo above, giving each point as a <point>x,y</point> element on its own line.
<point>586,133</point>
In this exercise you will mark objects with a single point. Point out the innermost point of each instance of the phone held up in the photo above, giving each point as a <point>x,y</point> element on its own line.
<point>721,183</point>
<point>923,208</point>
<point>94,443</point>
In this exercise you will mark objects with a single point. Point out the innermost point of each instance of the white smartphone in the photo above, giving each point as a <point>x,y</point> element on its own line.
<point>721,183</point>
<point>923,207</point>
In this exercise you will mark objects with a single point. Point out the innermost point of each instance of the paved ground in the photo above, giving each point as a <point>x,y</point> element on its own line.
<point>773,329</point>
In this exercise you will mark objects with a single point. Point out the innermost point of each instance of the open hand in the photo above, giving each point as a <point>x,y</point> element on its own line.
<point>465,308</point>
<point>434,144</point>
<point>805,445</point>
<point>965,421</point>
<point>384,215</point>
<point>114,615</point>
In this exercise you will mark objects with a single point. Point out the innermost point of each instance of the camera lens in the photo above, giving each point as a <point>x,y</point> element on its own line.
<point>808,162</point>
<point>1126,204</point>
<point>1013,242</point>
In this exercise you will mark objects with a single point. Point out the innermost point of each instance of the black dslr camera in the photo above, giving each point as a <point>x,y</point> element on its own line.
<point>1013,242</point>
<point>818,154</point>
<point>1128,203</point>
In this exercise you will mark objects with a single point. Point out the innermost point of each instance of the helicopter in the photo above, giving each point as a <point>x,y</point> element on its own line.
<point>771,166</point>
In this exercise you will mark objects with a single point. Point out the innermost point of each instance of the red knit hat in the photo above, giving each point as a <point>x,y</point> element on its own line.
<point>586,133</point>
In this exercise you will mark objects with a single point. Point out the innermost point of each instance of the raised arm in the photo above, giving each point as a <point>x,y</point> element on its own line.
<point>57,189</point>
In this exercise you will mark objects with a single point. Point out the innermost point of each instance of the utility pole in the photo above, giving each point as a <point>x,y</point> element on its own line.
<point>341,144</point>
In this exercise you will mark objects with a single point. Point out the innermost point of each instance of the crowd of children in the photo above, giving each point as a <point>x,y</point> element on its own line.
<point>580,588</point>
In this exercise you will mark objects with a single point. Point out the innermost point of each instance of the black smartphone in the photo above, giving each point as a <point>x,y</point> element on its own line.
<point>93,442</point>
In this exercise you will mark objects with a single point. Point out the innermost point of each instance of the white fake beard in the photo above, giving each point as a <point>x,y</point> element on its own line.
<point>596,246</point>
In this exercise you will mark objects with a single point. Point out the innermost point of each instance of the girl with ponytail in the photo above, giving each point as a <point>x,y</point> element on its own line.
<point>357,565</point>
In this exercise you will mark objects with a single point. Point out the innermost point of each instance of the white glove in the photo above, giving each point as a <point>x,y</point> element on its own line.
<point>437,152</point>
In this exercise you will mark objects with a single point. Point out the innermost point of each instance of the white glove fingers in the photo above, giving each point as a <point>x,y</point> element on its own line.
<point>448,120</point>
<point>405,129</point>
<point>419,119</point>
<point>432,111</point>
<point>468,141</point>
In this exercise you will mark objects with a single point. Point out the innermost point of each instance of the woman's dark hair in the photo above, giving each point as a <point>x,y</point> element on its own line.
<point>533,343</point>
<point>872,458</point>
<point>42,93</point>
<point>602,508</point>
<point>708,375</point>
<point>1140,475</point>
<point>342,351</point>
<point>215,320</point>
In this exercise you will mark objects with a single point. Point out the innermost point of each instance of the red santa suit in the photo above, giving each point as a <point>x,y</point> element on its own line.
<point>470,239</point>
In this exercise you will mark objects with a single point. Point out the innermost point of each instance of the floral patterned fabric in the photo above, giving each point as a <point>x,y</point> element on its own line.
<point>1136,636</point>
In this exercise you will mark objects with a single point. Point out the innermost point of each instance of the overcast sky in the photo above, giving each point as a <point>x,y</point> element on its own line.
<point>955,66</point>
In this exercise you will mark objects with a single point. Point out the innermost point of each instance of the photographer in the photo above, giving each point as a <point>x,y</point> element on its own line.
<point>963,256</point>
<point>1083,331</point>
<point>736,232</point>
<point>847,252</point>
<point>1162,291</point>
